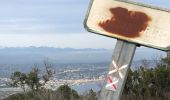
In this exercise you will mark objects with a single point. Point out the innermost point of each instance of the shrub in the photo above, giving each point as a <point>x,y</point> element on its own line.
<point>64,92</point>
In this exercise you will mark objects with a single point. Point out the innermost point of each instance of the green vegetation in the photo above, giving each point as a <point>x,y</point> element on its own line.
<point>144,83</point>
<point>64,92</point>
<point>32,79</point>
<point>36,91</point>
<point>149,83</point>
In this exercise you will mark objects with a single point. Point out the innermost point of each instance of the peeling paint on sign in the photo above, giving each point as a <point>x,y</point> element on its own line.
<point>126,23</point>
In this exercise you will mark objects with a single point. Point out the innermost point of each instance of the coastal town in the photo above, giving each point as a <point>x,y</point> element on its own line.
<point>72,75</point>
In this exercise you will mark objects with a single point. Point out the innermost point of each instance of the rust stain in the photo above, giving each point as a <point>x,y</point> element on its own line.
<point>126,23</point>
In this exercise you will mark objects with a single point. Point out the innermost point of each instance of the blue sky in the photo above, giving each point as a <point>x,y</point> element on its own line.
<point>54,23</point>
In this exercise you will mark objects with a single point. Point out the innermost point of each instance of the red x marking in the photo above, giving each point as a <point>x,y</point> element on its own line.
<point>110,81</point>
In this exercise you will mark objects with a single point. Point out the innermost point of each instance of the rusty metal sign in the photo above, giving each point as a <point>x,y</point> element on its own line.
<point>130,21</point>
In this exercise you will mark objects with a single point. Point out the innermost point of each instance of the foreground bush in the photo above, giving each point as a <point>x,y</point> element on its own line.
<point>149,83</point>
<point>34,80</point>
<point>62,93</point>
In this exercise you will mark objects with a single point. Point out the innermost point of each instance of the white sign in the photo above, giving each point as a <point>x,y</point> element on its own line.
<point>129,21</point>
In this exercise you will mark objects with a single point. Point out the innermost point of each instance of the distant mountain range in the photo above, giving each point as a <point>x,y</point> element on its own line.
<point>29,55</point>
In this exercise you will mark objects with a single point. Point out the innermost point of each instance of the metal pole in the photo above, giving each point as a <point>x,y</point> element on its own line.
<point>168,55</point>
<point>122,56</point>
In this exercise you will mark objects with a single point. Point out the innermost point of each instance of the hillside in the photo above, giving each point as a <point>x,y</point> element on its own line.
<point>30,55</point>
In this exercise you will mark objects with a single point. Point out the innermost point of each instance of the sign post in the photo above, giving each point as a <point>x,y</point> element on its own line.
<point>133,23</point>
<point>168,55</point>
<point>118,71</point>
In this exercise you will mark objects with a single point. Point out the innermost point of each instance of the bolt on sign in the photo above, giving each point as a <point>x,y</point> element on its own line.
<point>130,21</point>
